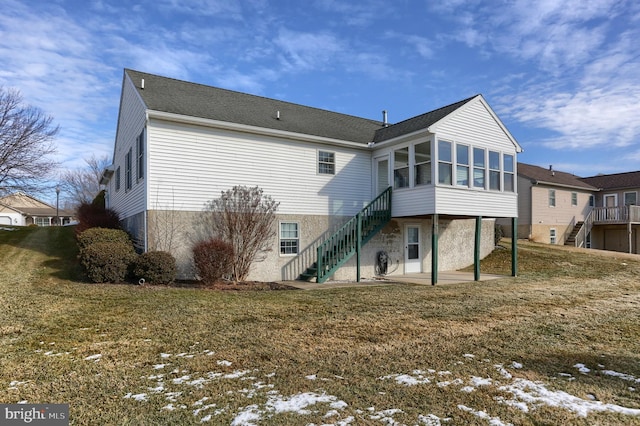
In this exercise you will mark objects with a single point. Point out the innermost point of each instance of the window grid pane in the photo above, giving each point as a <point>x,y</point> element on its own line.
<point>289,240</point>
<point>401,168</point>
<point>326,163</point>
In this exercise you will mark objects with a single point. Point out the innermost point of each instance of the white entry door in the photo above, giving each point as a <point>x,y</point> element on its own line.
<point>412,250</point>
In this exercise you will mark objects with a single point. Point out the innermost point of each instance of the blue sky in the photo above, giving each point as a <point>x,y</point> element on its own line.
<point>563,76</point>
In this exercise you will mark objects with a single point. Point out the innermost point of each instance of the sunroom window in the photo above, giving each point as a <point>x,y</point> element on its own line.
<point>462,165</point>
<point>445,165</point>
<point>509,173</point>
<point>494,170</point>
<point>479,168</point>
<point>401,168</point>
<point>422,168</point>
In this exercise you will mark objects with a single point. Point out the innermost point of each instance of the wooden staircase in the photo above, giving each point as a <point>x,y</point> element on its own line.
<point>571,239</point>
<point>346,242</point>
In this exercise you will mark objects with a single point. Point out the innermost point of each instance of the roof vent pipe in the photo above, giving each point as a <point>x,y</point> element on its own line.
<point>142,84</point>
<point>384,118</point>
<point>277,115</point>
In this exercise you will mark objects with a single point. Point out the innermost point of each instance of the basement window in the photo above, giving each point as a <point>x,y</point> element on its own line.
<point>552,236</point>
<point>289,238</point>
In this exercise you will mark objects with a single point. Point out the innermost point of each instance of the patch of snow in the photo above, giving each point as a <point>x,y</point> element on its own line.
<point>172,396</point>
<point>620,375</point>
<point>95,357</point>
<point>450,382</point>
<point>208,352</point>
<point>159,366</point>
<point>169,407</point>
<point>468,389</point>
<point>137,397</point>
<point>180,380</point>
<point>157,389</point>
<point>247,417</point>
<point>311,377</point>
<point>536,393</point>
<point>236,374</point>
<point>581,368</point>
<point>299,403</point>
<point>469,355</point>
<point>164,355</point>
<point>432,420</point>
<point>444,373</point>
<point>479,381</point>
<point>493,421</point>
<point>407,380</point>
<point>503,372</point>
<point>516,365</point>
<point>224,363</point>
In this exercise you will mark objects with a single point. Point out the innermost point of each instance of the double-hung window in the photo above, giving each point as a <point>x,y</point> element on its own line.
<point>422,168</point>
<point>445,163</point>
<point>289,238</point>
<point>552,198</point>
<point>494,170</point>
<point>574,199</point>
<point>127,171</point>
<point>401,168</point>
<point>118,179</point>
<point>462,165</point>
<point>326,163</point>
<point>140,156</point>
<point>509,172</point>
<point>479,168</point>
<point>630,198</point>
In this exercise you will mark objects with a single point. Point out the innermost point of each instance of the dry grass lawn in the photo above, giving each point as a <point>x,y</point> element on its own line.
<point>560,344</point>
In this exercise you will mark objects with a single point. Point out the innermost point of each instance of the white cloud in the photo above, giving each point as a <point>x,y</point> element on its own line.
<point>305,51</point>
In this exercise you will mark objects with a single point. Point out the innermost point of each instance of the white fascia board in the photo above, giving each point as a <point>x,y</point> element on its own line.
<point>252,129</point>
<point>403,138</point>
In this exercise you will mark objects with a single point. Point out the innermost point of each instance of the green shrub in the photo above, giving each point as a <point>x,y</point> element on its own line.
<point>156,267</point>
<point>107,262</point>
<point>102,235</point>
<point>213,260</point>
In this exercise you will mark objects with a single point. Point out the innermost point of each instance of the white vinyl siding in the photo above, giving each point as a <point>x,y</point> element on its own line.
<point>214,160</point>
<point>131,122</point>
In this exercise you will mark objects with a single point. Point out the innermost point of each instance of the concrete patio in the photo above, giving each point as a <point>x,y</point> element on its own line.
<point>444,278</point>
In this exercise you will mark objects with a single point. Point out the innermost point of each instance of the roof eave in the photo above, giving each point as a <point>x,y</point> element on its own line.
<point>179,118</point>
<point>562,185</point>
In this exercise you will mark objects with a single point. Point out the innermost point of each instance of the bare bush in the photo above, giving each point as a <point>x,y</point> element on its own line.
<point>245,218</point>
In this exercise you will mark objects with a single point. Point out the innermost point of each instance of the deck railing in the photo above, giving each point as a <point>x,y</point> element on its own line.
<point>621,214</point>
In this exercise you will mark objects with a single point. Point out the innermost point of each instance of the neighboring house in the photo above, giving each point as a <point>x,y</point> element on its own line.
<point>425,191</point>
<point>599,212</point>
<point>20,209</point>
<point>616,215</point>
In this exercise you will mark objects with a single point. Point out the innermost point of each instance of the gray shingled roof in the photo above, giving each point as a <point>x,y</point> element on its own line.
<point>615,181</point>
<point>196,100</point>
<point>418,122</point>
<point>555,177</point>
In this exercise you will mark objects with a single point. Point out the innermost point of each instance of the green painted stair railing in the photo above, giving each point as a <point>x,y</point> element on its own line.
<point>347,241</point>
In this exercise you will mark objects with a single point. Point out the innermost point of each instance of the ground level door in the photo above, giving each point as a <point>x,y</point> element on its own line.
<point>412,251</point>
